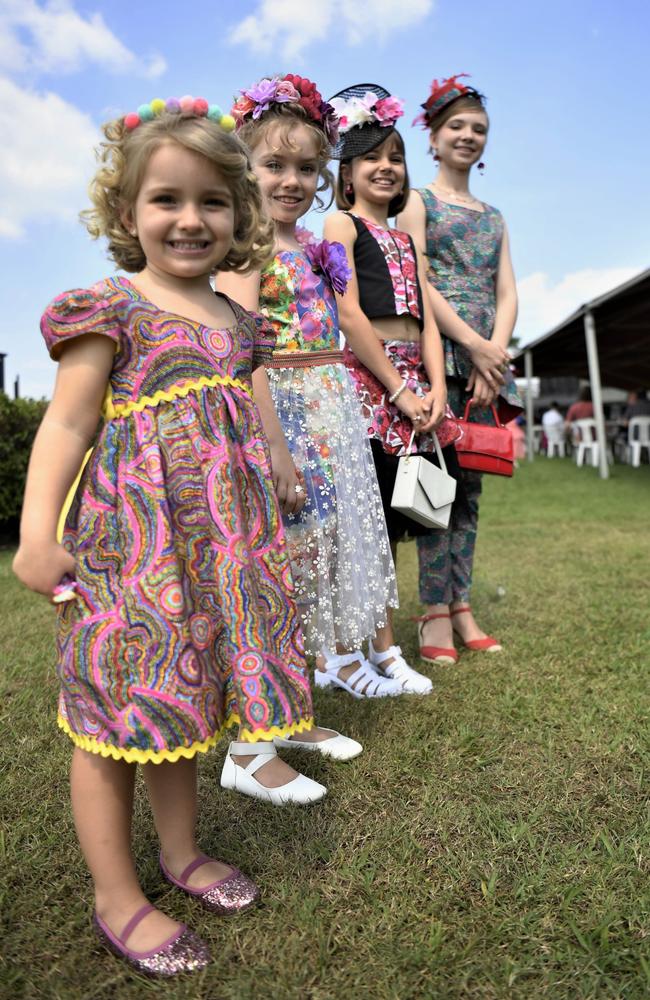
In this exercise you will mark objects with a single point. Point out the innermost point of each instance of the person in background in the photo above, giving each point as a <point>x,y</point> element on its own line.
<point>582,409</point>
<point>552,417</point>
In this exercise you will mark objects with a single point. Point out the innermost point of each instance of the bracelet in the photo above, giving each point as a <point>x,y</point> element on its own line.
<point>398,392</point>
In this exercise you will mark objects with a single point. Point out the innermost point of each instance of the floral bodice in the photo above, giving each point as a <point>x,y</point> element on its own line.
<point>297,298</point>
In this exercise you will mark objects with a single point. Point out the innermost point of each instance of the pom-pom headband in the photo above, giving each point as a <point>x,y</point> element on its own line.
<point>289,89</point>
<point>443,93</point>
<point>188,107</point>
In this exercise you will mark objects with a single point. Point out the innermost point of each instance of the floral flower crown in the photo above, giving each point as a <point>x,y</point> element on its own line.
<point>367,109</point>
<point>289,89</point>
<point>443,93</point>
<point>189,107</point>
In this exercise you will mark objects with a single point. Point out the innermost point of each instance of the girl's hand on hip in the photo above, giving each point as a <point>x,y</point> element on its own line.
<point>285,479</point>
<point>482,393</point>
<point>41,567</point>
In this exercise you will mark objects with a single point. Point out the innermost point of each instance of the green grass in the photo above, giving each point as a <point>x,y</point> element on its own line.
<point>493,840</point>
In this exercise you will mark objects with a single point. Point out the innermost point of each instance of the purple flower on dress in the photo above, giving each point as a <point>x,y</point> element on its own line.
<point>331,259</point>
<point>263,94</point>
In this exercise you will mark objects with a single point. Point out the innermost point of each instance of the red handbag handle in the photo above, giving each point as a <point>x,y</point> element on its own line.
<point>492,407</point>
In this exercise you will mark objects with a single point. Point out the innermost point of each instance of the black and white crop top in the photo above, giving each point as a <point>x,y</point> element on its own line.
<point>387,272</point>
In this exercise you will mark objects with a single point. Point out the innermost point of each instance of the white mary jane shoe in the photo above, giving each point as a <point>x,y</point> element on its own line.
<point>299,790</point>
<point>365,682</point>
<point>336,746</point>
<point>410,681</point>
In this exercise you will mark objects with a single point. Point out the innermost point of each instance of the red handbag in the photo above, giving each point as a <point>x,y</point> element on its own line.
<point>484,448</point>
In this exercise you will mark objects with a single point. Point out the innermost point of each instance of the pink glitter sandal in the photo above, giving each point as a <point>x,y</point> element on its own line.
<point>233,894</point>
<point>184,951</point>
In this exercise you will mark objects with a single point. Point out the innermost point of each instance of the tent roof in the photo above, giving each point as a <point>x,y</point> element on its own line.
<point>622,318</point>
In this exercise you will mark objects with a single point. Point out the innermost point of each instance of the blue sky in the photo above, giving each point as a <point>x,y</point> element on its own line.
<point>567,160</point>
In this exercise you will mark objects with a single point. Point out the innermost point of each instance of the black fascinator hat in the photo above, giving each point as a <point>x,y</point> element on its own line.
<point>367,115</point>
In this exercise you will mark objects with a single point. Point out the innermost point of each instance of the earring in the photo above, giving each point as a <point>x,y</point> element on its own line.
<point>348,188</point>
<point>436,157</point>
<point>481,167</point>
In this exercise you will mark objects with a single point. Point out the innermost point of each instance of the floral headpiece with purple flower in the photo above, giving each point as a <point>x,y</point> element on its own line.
<point>289,89</point>
<point>328,258</point>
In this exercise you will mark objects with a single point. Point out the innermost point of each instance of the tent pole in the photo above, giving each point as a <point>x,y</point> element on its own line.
<point>530,437</point>
<point>596,393</point>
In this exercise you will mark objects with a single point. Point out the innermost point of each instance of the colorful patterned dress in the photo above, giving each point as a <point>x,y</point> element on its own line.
<point>183,622</point>
<point>340,555</point>
<point>463,248</point>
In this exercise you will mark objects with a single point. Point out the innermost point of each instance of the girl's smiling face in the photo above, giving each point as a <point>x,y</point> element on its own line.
<point>377,176</point>
<point>184,213</point>
<point>460,142</point>
<point>287,169</point>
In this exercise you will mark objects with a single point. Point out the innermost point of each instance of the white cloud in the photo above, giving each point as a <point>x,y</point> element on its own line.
<point>543,305</point>
<point>53,37</point>
<point>290,26</point>
<point>45,170</point>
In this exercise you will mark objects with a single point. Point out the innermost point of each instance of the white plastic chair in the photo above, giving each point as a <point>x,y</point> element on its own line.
<point>638,437</point>
<point>555,441</point>
<point>586,442</point>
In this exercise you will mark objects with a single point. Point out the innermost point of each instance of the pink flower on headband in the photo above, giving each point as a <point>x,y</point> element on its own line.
<point>388,110</point>
<point>286,92</point>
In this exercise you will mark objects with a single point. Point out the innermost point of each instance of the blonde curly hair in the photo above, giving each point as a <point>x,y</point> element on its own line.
<point>284,117</point>
<point>123,158</point>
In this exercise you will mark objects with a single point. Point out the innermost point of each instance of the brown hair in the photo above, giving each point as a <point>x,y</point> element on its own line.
<point>346,201</point>
<point>285,117</point>
<point>123,160</point>
<point>466,102</point>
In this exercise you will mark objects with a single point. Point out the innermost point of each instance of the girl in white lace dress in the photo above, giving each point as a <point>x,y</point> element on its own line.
<point>338,546</point>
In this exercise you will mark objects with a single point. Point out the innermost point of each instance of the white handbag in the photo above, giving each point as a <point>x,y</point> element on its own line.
<point>423,491</point>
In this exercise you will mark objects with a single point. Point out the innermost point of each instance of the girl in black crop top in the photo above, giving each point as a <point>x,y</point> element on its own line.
<point>393,348</point>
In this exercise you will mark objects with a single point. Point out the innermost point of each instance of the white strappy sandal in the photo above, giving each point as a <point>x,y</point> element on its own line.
<point>365,682</point>
<point>299,790</point>
<point>409,680</point>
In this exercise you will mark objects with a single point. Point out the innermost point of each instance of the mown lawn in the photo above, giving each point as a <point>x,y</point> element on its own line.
<point>493,840</point>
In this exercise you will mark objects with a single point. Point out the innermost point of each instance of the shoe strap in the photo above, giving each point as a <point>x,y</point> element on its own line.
<point>136,919</point>
<point>464,608</point>
<point>241,749</point>
<point>334,661</point>
<point>429,617</point>
<point>202,859</point>
<point>365,680</point>
<point>377,658</point>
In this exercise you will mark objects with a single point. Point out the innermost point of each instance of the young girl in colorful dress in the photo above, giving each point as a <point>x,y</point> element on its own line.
<point>473,295</point>
<point>340,555</point>
<point>393,349</point>
<point>179,622</point>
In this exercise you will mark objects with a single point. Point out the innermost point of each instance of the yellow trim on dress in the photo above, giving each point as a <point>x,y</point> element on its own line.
<point>135,756</point>
<point>111,410</point>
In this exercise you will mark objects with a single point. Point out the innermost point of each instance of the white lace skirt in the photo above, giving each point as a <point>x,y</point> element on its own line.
<point>340,554</point>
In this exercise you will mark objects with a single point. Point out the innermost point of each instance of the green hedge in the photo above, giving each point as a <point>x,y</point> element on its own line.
<point>19,420</point>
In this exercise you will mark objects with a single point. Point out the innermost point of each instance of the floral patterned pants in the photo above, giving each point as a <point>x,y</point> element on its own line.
<point>446,557</point>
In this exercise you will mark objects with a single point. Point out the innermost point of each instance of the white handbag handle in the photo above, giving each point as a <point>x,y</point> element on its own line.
<point>441,457</point>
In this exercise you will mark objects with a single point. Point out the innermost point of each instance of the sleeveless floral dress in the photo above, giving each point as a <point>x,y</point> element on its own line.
<point>183,622</point>
<point>463,247</point>
<point>340,555</point>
